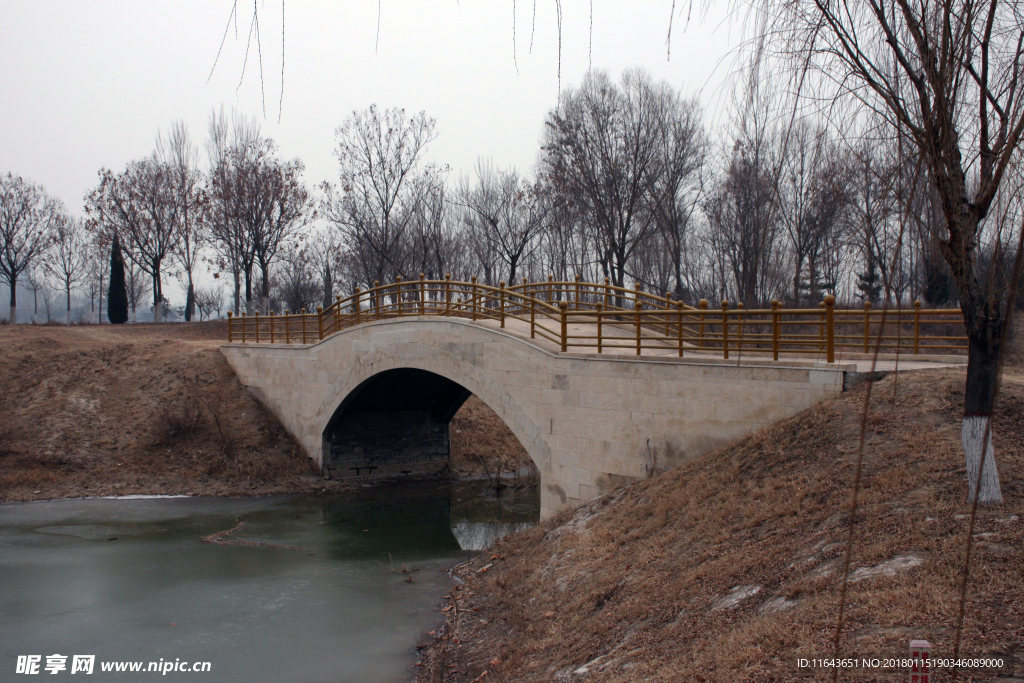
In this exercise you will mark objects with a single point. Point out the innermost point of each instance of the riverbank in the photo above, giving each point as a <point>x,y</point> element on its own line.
<point>90,410</point>
<point>729,568</point>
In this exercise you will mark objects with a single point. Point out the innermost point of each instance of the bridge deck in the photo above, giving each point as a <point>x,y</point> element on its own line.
<point>622,342</point>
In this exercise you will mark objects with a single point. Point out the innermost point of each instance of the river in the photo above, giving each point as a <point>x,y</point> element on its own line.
<point>303,589</point>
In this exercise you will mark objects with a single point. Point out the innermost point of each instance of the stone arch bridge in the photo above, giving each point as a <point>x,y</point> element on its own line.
<point>376,400</point>
<point>594,380</point>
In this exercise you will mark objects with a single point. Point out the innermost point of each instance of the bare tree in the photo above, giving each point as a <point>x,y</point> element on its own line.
<point>136,285</point>
<point>814,199</point>
<point>231,148</point>
<point>949,77</point>
<point>98,270</point>
<point>278,208</point>
<point>209,300</point>
<point>677,187</point>
<point>600,148</point>
<point>27,217</point>
<point>66,261</point>
<point>35,281</point>
<point>179,155</point>
<point>507,214</point>
<point>139,205</point>
<point>379,154</point>
<point>297,284</point>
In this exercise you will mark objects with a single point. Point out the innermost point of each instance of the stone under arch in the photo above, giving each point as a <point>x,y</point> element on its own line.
<point>388,413</point>
<point>394,423</point>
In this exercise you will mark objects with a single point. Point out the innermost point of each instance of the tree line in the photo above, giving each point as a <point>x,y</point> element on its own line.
<point>628,186</point>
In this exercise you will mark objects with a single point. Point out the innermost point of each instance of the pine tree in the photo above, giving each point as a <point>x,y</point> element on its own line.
<point>869,283</point>
<point>117,295</point>
<point>328,287</point>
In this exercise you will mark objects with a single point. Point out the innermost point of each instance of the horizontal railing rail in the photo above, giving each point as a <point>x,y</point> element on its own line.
<point>604,318</point>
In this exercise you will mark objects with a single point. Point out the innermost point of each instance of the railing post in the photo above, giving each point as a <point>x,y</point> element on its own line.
<point>830,308</point>
<point>639,306</point>
<point>916,325</point>
<point>867,324</point>
<point>243,327</point>
<point>577,292</point>
<point>564,307</point>
<point>356,306</point>
<point>303,325</point>
<point>525,292</point>
<point>668,307</point>
<point>447,294</point>
<point>599,346</point>
<point>376,297</point>
<point>257,328</point>
<point>533,318</point>
<point>398,284</point>
<point>775,329</point>
<point>271,327</point>
<point>700,331</point>
<point>551,286</point>
<point>502,303</point>
<point>725,329</point>
<point>607,291</point>
<point>741,323</point>
<point>319,324</point>
<point>287,328</point>
<point>472,290</point>
<point>679,330</point>
<point>821,326</point>
<point>230,316</point>
<point>423,294</point>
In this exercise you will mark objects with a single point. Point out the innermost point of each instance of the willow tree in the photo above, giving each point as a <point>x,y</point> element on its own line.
<point>948,78</point>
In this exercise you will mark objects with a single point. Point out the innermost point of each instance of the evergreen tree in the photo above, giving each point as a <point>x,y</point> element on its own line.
<point>117,295</point>
<point>869,283</point>
<point>328,287</point>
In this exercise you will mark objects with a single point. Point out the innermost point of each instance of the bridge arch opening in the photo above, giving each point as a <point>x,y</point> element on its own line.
<point>392,424</point>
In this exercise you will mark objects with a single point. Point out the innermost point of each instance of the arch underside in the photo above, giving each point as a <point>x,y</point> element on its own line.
<point>394,423</point>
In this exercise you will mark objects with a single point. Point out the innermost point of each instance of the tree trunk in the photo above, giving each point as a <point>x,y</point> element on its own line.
<point>14,302</point>
<point>67,294</point>
<point>248,291</point>
<point>158,304</point>
<point>982,375</point>
<point>190,301</point>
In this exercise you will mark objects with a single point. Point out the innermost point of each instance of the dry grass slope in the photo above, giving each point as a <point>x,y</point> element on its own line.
<point>133,409</point>
<point>728,568</point>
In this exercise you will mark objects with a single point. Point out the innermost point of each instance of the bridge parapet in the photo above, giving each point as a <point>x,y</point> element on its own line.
<point>602,318</point>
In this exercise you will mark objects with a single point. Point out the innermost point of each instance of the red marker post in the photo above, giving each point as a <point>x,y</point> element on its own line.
<point>920,661</point>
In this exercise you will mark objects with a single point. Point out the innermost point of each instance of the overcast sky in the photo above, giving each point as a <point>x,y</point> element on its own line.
<point>89,84</point>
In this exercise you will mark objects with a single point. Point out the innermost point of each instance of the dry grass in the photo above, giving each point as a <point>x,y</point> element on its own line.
<point>101,410</point>
<point>728,568</point>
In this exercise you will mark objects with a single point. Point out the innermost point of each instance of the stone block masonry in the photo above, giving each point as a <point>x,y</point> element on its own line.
<point>376,400</point>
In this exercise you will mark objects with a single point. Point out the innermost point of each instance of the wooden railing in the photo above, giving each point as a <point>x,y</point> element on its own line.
<point>602,317</point>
